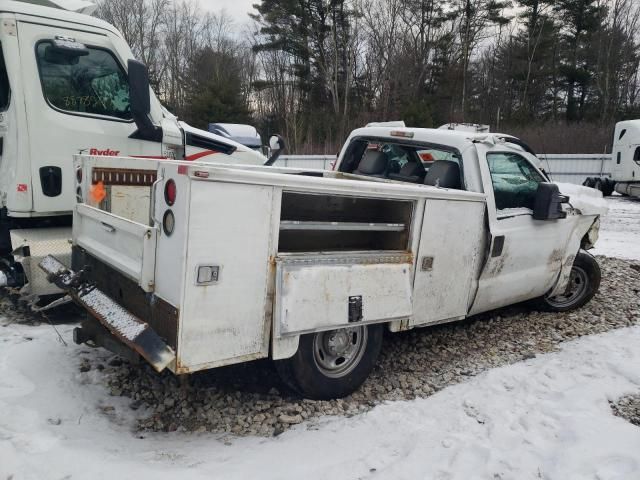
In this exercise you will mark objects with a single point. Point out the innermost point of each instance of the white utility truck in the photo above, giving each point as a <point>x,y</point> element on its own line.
<point>625,162</point>
<point>69,84</point>
<point>226,264</point>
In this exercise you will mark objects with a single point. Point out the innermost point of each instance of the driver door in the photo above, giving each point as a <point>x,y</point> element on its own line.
<point>77,106</point>
<point>525,255</point>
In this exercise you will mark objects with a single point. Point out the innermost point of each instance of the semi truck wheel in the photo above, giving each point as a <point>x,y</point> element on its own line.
<point>608,186</point>
<point>584,282</point>
<point>332,364</point>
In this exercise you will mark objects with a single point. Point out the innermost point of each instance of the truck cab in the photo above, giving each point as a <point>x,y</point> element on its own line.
<point>625,169</point>
<point>67,86</point>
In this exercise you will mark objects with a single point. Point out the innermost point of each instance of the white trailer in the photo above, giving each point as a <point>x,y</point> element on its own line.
<point>228,264</point>
<point>69,84</point>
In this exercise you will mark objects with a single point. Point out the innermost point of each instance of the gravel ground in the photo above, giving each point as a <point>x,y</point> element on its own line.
<point>249,399</point>
<point>628,407</point>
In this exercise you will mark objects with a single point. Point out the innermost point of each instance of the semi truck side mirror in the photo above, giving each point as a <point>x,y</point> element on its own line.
<point>140,98</point>
<point>548,202</point>
<point>277,146</point>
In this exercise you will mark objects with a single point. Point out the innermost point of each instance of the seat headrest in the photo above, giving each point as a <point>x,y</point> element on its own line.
<point>410,169</point>
<point>444,174</point>
<point>372,163</point>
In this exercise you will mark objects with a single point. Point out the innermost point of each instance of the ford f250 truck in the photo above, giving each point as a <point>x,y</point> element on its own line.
<point>226,264</point>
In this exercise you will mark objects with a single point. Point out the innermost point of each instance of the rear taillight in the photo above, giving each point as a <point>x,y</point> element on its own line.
<point>168,222</point>
<point>79,175</point>
<point>170,192</point>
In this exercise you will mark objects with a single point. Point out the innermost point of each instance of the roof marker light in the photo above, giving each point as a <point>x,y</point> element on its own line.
<point>400,133</point>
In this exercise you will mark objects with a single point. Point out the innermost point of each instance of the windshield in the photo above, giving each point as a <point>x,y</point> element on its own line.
<point>5,91</point>
<point>93,84</point>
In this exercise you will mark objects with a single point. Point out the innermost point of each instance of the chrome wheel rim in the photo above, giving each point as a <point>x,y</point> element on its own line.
<point>337,352</point>
<point>576,288</point>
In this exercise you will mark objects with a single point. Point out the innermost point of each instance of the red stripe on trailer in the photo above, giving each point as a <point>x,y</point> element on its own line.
<point>196,156</point>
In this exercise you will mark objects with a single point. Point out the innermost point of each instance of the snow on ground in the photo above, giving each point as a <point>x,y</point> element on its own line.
<point>547,417</point>
<point>620,230</point>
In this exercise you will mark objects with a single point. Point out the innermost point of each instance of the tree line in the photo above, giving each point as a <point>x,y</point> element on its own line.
<point>559,73</point>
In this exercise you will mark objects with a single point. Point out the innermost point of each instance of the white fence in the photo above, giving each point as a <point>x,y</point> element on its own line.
<point>571,168</point>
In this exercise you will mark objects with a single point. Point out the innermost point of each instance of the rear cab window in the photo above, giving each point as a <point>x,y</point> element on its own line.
<point>92,84</point>
<point>5,90</point>
<point>515,181</point>
<point>395,160</point>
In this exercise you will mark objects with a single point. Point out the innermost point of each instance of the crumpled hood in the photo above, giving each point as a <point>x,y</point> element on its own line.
<point>587,200</point>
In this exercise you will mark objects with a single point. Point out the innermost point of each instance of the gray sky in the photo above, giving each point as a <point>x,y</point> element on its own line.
<point>237,9</point>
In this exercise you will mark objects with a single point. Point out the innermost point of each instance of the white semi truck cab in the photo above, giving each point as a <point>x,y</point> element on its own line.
<point>226,264</point>
<point>69,84</point>
<point>625,156</point>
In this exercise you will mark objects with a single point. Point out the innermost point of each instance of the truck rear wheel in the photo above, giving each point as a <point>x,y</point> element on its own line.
<point>584,282</point>
<point>332,364</point>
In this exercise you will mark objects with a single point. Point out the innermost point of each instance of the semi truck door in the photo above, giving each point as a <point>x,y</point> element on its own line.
<point>525,255</point>
<point>75,104</point>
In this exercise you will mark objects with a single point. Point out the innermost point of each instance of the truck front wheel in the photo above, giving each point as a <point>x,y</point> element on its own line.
<point>584,282</point>
<point>332,364</point>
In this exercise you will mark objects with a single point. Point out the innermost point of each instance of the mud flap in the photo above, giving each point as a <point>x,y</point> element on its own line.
<point>128,328</point>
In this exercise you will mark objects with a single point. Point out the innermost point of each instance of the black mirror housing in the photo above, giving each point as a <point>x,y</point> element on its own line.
<point>548,202</point>
<point>139,97</point>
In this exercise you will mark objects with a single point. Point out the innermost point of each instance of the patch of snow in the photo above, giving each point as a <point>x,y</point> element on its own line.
<point>116,317</point>
<point>51,265</point>
<point>620,229</point>
<point>588,200</point>
<point>548,417</point>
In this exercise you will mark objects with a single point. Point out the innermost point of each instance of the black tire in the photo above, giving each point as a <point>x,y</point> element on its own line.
<point>597,184</point>
<point>583,285</point>
<point>308,374</point>
<point>589,182</point>
<point>607,187</point>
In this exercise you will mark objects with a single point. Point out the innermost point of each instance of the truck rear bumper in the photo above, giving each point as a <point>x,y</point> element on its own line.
<point>129,329</point>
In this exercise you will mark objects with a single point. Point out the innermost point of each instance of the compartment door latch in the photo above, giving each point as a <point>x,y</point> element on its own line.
<point>355,308</point>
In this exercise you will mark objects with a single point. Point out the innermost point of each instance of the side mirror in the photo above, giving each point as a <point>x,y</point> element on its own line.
<point>277,146</point>
<point>548,202</point>
<point>140,98</point>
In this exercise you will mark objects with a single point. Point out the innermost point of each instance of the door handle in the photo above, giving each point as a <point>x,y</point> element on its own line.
<point>498,245</point>
<point>107,227</point>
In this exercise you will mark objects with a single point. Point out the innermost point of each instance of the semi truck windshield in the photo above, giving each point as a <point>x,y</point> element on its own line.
<point>4,83</point>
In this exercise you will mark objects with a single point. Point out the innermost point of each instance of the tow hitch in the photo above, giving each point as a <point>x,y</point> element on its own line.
<point>126,327</point>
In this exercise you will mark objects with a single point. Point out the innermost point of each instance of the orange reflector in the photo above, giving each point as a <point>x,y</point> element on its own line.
<point>97,192</point>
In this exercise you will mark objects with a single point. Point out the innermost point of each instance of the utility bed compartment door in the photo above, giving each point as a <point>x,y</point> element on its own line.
<point>314,293</point>
<point>127,246</point>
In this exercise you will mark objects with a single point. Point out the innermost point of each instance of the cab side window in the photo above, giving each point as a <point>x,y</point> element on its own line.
<point>515,181</point>
<point>5,91</point>
<point>93,84</point>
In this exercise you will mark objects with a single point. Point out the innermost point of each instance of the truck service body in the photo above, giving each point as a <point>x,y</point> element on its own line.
<point>225,264</point>
<point>54,104</point>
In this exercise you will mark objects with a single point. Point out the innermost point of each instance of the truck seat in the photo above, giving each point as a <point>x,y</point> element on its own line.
<point>410,172</point>
<point>372,164</point>
<point>444,174</point>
